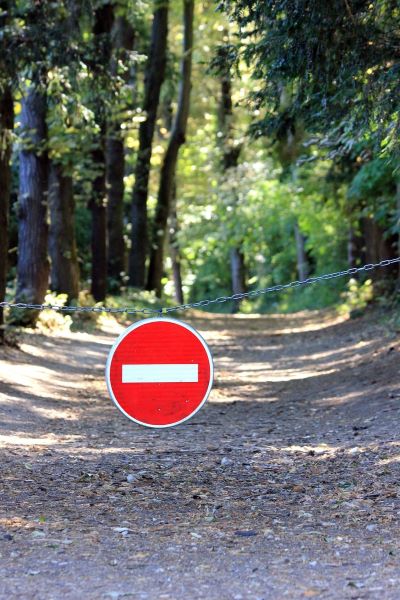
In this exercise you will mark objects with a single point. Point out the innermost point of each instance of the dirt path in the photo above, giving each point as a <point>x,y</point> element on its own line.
<point>286,485</point>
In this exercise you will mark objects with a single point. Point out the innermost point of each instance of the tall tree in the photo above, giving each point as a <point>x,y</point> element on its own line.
<point>33,264</point>
<point>174,249</point>
<point>103,21</point>
<point>64,267</point>
<point>289,137</point>
<point>123,37</point>
<point>167,113</point>
<point>168,170</point>
<point>154,77</point>
<point>64,272</point>
<point>230,151</point>
<point>6,127</point>
<point>303,267</point>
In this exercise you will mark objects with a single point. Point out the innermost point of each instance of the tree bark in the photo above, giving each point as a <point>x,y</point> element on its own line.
<point>379,247</point>
<point>154,77</point>
<point>98,208</point>
<point>303,268</point>
<point>6,126</point>
<point>398,225</point>
<point>104,17</point>
<point>33,264</point>
<point>168,170</point>
<point>238,275</point>
<point>230,160</point>
<point>115,208</point>
<point>354,248</point>
<point>175,251</point>
<point>64,270</point>
<point>123,40</point>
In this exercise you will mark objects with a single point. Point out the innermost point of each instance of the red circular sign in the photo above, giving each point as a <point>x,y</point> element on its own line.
<point>159,372</point>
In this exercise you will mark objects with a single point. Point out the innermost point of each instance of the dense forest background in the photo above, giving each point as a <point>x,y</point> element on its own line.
<point>182,149</point>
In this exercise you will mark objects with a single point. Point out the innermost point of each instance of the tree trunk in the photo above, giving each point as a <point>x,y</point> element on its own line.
<point>230,160</point>
<point>154,78</point>
<point>104,17</point>
<point>354,248</point>
<point>168,171</point>
<point>115,209</point>
<point>123,36</point>
<point>351,248</point>
<point>6,127</point>
<point>379,247</point>
<point>98,208</point>
<point>174,251</point>
<point>303,268</point>
<point>398,225</point>
<point>64,270</point>
<point>238,274</point>
<point>33,264</point>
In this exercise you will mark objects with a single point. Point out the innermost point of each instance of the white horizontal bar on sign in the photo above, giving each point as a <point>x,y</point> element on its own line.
<point>177,373</point>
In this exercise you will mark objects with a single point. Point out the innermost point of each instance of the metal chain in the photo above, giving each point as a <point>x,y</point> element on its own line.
<point>202,303</point>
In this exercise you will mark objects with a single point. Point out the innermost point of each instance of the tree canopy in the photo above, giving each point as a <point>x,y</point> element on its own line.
<point>336,63</point>
<point>169,151</point>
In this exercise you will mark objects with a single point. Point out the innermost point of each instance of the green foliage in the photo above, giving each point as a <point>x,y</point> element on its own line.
<point>337,61</point>
<point>252,206</point>
<point>356,297</point>
<point>374,178</point>
<point>315,90</point>
<point>373,194</point>
<point>52,320</point>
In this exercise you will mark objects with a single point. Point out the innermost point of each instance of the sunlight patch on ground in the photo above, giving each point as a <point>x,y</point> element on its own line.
<point>321,450</point>
<point>97,337</point>
<point>46,440</point>
<point>309,321</point>
<point>54,414</point>
<point>217,397</point>
<point>336,353</point>
<point>265,375</point>
<point>388,461</point>
<point>340,398</point>
<point>307,327</point>
<point>16,522</point>
<point>22,375</point>
<point>38,381</point>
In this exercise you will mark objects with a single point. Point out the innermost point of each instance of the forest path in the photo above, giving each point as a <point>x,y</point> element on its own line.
<point>286,484</point>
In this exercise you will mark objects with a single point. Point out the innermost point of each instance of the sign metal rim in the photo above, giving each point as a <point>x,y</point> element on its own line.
<point>132,328</point>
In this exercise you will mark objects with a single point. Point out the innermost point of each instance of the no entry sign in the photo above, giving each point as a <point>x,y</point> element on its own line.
<point>159,372</point>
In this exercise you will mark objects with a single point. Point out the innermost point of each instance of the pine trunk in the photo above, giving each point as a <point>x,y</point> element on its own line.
<point>175,252</point>
<point>354,248</point>
<point>115,208</point>
<point>154,78</point>
<point>33,264</point>
<point>230,160</point>
<point>98,208</point>
<point>303,268</point>
<point>123,36</point>
<point>6,126</point>
<point>104,18</point>
<point>64,270</point>
<point>379,247</point>
<point>398,225</point>
<point>238,274</point>
<point>168,171</point>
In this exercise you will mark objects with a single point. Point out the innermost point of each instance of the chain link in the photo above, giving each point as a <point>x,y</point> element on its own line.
<point>206,302</point>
